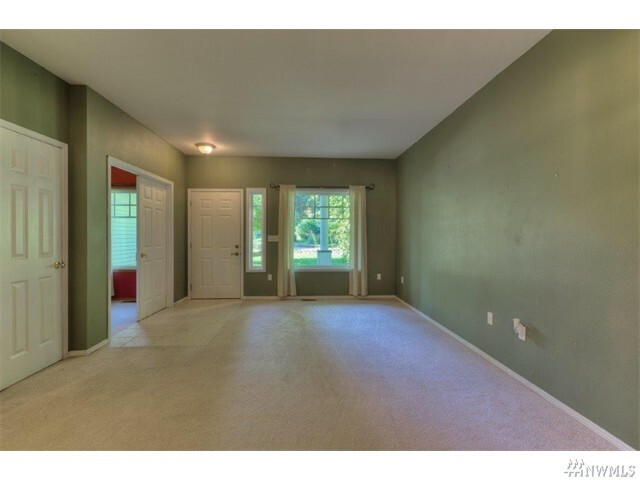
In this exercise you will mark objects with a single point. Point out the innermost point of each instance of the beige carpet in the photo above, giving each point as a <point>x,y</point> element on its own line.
<point>275,375</point>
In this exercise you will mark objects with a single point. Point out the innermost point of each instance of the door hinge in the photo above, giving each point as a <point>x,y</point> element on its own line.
<point>190,287</point>
<point>190,245</point>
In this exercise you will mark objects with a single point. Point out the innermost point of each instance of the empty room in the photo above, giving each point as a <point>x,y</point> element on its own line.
<point>319,240</point>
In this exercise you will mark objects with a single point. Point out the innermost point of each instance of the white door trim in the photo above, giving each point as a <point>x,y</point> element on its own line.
<point>114,162</point>
<point>189,192</point>
<point>64,148</point>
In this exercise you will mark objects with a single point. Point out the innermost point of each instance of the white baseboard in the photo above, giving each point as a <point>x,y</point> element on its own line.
<point>318,297</point>
<point>182,300</point>
<point>82,353</point>
<point>339,297</point>
<point>595,428</point>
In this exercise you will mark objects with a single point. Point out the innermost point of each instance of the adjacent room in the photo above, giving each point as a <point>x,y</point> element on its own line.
<point>320,239</point>
<point>123,234</point>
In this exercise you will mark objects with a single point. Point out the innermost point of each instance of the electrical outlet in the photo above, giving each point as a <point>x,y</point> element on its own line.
<point>379,276</point>
<point>490,318</point>
<point>269,277</point>
<point>402,280</point>
<point>522,333</point>
<point>520,329</point>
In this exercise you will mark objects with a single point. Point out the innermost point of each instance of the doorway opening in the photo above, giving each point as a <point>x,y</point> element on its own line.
<point>124,256</point>
<point>140,245</point>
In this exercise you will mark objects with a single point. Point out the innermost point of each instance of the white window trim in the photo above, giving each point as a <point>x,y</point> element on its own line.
<point>249,226</point>
<point>323,191</point>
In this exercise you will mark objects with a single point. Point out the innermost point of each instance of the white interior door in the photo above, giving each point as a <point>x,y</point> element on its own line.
<point>216,244</point>
<point>152,247</point>
<point>31,255</point>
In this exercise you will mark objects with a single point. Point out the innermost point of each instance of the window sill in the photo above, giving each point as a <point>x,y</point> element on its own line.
<point>321,269</point>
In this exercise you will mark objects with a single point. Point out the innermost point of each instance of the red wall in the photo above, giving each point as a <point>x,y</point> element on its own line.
<point>120,178</point>
<point>124,284</point>
<point>124,281</point>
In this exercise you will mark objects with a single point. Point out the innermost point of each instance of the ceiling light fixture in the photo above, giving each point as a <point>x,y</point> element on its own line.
<point>206,148</point>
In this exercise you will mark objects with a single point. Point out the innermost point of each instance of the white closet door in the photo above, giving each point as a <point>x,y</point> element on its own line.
<point>31,255</point>
<point>152,247</point>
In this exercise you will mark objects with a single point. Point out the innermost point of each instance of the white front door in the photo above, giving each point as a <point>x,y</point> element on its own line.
<point>31,255</point>
<point>216,244</point>
<point>152,247</point>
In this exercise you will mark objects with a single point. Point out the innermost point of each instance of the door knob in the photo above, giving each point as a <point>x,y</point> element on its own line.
<point>59,265</point>
<point>236,254</point>
<point>143,255</point>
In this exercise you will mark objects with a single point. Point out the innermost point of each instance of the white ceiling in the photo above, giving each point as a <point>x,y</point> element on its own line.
<point>313,93</point>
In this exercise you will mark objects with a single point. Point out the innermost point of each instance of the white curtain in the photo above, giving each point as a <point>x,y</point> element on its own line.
<point>358,248</point>
<point>286,277</point>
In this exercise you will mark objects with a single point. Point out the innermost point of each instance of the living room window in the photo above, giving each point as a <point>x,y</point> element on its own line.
<point>321,230</point>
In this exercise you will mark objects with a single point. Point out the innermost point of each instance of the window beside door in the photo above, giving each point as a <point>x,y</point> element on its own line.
<point>256,229</point>
<point>321,230</point>
<point>123,229</point>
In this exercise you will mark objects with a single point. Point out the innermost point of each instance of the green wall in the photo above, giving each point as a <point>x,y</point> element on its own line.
<point>243,172</point>
<point>32,97</point>
<point>525,202</point>
<point>78,219</point>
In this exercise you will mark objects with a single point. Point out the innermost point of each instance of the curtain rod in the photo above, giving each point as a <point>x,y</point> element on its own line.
<point>371,186</point>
